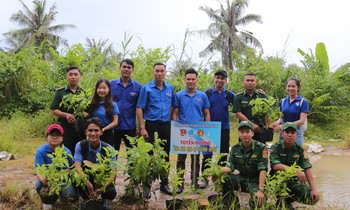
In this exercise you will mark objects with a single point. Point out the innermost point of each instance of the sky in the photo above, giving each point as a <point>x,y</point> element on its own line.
<point>287,24</point>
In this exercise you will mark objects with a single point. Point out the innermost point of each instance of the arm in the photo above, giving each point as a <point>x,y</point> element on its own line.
<point>175,114</point>
<point>281,167</point>
<point>112,124</point>
<point>226,169</point>
<point>260,194</point>
<point>310,179</point>
<point>139,114</point>
<point>90,187</point>
<point>242,117</point>
<point>302,119</point>
<point>206,115</point>
<point>70,117</point>
<point>41,179</point>
<point>277,125</point>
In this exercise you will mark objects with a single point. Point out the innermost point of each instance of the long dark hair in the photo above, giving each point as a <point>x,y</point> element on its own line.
<point>95,102</point>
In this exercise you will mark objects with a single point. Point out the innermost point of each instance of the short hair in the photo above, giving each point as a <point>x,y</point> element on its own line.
<point>296,79</point>
<point>127,61</point>
<point>250,74</point>
<point>71,68</point>
<point>159,64</point>
<point>191,71</point>
<point>94,120</point>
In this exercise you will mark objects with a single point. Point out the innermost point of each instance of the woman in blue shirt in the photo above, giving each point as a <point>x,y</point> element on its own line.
<point>294,109</point>
<point>104,108</point>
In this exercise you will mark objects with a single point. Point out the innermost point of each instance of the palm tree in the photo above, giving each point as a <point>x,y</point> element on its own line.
<point>103,52</point>
<point>37,27</point>
<point>225,32</point>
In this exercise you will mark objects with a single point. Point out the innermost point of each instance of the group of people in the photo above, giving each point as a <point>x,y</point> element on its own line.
<point>125,107</point>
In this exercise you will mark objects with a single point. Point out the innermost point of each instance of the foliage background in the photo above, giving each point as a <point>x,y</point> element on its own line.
<point>28,83</point>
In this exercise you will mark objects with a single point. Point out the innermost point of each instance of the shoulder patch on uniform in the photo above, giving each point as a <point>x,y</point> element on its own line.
<point>296,156</point>
<point>305,154</point>
<point>261,91</point>
<point>264,153</point>
<point>240,93</point>
<point>61,88</point>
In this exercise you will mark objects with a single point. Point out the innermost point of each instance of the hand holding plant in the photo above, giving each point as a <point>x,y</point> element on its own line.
<point>266,110</point>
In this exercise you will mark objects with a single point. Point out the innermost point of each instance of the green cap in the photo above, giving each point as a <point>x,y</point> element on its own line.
<point>289,125</point>
<point>245,124</point>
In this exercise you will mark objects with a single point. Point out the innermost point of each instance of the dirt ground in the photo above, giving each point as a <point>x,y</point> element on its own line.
<point>20,170</point>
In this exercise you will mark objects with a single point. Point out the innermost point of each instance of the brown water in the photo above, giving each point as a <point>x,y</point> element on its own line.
<point>332,178</point>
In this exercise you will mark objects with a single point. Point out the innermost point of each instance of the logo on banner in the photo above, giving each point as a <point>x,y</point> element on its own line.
<point>200,133</point>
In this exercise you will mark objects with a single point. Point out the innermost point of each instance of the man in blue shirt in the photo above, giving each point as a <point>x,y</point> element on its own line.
<point>125,92</point>
<point>190,105</point>
<point>154,106</point>
<point>87,150</point>
<point>220,99</point>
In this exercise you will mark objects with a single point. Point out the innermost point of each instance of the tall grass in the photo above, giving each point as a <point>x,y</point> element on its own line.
<point>18,133</point>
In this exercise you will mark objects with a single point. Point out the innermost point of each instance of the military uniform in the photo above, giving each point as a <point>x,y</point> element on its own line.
<point>281,155</point>
<point>249,162</point>
<point>71,136</point>
<point>241,104</point>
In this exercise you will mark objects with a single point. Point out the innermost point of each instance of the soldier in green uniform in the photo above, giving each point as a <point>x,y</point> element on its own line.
<point>285,153</point>
<point>66,117</point>
<point>241,106</point>
<point>249,158</point>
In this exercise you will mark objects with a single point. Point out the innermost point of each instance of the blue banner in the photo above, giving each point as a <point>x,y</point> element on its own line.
<point>197,137</point>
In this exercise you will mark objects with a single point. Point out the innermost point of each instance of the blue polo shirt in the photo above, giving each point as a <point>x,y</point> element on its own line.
<point>42,158</point>
<point>78,157</point>
<point>100,113</point>
<point>191,108</point>
<point>126,99</point>
<point>291,111</point>
<point>156,103</point>
<point>219,107</point>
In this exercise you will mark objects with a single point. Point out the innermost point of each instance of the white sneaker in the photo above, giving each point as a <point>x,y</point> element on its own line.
<point>47,206</point>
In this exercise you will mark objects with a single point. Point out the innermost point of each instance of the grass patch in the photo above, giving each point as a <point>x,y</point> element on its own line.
<point>16,195</point>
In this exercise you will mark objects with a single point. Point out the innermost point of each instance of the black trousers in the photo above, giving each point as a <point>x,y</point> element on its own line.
<point>163,130</point>
<point>108,137</point>
<point>120,135</point>
<point>71,136</point>
<point>180,164</point>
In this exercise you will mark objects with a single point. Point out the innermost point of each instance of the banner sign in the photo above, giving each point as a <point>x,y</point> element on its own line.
<point>197,137</point>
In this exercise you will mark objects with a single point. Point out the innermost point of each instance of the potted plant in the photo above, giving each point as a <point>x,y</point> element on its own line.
<point>267,111</point>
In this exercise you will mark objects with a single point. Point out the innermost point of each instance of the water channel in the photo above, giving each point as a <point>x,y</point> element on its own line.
<point>332,178</point>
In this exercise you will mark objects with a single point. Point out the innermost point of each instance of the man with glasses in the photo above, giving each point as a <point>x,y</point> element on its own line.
<point>125,92</point>
<point>285,153</point>
<point>220,99</point>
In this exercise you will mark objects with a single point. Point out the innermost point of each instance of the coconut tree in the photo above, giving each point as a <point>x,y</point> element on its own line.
<point>36,27</point>
<point>226,31</point>
<point>102,53</point>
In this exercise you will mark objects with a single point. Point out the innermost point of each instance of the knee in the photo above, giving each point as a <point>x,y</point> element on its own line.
<point>110,193</point>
